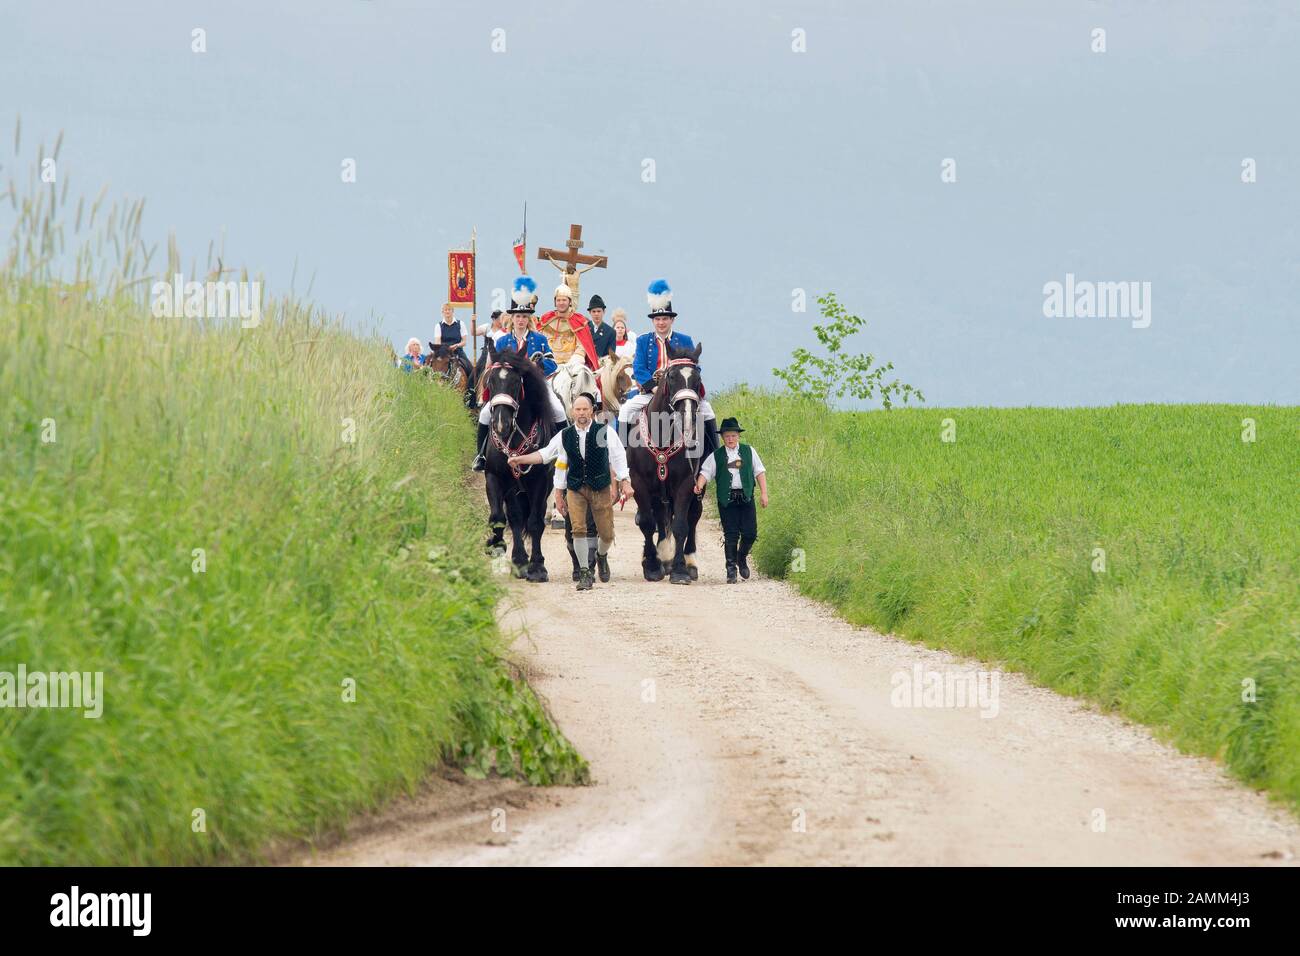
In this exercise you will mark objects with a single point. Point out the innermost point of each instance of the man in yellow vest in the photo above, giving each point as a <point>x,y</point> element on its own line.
<point>737,468</point>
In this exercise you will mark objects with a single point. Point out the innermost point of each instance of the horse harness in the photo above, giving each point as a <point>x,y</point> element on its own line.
<point>665,454</point>
<point>527,442</point>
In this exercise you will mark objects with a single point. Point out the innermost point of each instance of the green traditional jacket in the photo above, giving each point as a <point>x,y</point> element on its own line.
<point>722,478</point>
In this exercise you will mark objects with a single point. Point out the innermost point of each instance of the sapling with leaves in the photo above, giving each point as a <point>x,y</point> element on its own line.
<point>839,374</point>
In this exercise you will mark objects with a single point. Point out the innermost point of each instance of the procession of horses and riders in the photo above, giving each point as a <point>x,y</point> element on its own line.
<point>568,403</point>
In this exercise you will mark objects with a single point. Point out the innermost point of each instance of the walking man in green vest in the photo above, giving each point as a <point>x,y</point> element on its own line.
<point>743,468</point>
<point>584,454</point>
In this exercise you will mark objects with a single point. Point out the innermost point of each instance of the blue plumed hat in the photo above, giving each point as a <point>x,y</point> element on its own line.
<point>521,297</point>
<point>660,297</point>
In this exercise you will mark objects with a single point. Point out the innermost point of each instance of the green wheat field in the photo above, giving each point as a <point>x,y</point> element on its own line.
<point>1145,557</point>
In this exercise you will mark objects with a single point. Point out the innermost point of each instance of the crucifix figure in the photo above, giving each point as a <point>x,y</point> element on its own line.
<point>567,330</point>
<point>568,259</point>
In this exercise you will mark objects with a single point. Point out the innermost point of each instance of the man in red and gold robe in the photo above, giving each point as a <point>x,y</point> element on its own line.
<point>566,329</point>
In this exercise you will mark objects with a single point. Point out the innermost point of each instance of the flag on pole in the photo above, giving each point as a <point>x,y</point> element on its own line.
<point>521,244</point>
<point>460,278</point>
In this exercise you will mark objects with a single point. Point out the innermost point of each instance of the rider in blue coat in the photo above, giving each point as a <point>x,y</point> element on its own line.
<point>647,359</point>
<point>532,343</point>
<point>651,357</point>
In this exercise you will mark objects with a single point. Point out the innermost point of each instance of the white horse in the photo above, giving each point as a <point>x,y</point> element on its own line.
<point>568,382</point>
<point>572,379</point>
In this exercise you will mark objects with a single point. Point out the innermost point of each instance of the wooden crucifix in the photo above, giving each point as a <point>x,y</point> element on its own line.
<point>568,259</point>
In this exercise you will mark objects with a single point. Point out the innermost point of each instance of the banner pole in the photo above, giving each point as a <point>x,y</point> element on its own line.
<point>473,318</point>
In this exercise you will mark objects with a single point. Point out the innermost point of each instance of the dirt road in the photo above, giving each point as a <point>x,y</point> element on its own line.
<point>744,724</point>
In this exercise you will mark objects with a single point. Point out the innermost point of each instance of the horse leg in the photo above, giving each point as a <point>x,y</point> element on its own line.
<point>680,524</point>
<point>688,552</point>
<point>651,567</point>
<point>663,515</point>
<point>517,504</point>
<point>536,525</point>
<point>568,541</point>
<point>496,516</point>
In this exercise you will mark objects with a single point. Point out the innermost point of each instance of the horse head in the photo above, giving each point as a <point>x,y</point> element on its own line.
<point>678,392</point>
<point>438,360</point>
<point>571,380</point>
<point>615,380</point>
<point>504,384</point>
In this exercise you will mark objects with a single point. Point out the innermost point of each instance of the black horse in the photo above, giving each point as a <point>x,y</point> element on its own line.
<point>519,422</point>
<point>663,458</point>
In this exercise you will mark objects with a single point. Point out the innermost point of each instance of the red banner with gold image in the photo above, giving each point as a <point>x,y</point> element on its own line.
<point>460,278</point>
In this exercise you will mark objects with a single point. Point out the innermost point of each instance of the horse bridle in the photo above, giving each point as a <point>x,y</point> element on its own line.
<point>665,454</point>
<point>527,442</point>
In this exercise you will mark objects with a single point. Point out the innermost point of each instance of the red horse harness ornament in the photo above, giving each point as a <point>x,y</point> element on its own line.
<point>527,442</point>
<point>664,455</point>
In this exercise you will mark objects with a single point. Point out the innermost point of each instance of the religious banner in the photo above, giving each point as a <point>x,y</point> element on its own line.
<point>460,278</point>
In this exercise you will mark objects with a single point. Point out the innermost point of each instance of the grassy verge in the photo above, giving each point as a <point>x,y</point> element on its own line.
<point>1144,557</point>
<point>261,538</point>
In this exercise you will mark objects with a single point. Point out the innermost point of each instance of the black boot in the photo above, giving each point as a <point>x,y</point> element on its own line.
<point>729,546</point>
<point>742,555</point>
<point>480,461</point>
<point>602,565</point>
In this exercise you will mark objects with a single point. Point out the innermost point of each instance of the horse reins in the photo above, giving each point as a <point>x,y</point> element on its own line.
<point>527,442</point>
<point>663,455</point>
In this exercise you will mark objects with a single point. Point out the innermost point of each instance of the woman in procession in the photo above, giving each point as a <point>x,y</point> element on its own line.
<point>624,342</point>
<point>527,342</point>
<point>449,334</point>
<point>412,359</point>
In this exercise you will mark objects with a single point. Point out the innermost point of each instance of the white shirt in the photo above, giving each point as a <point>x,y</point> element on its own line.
<point>708,468</point>
<point>554,452</point>
<point>437,331</point>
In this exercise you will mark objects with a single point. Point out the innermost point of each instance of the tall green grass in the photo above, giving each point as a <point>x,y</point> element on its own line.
<point>242,528</point>
<point>986,545</point>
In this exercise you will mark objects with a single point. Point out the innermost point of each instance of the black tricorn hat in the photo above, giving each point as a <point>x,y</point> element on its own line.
<point>596,303</point>
<point>729,425</point>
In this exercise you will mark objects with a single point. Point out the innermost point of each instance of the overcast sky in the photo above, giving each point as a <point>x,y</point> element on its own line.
<point>774,170</point>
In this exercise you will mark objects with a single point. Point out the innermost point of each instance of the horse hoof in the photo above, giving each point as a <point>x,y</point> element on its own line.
<point>680,577</point>
<point>694,572</point>
<point>537,575</point>
<point>519,570</point>
<point>653,574</point>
